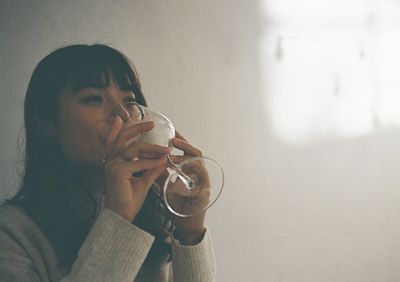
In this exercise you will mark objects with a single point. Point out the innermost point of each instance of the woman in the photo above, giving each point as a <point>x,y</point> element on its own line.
<point>85,210</point>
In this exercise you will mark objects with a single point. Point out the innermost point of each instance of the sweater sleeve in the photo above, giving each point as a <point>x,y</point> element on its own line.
<point>194,263</point>
<point>114,250</point>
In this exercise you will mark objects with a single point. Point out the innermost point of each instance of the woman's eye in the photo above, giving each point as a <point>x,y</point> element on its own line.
<point>93,99</point>
<point>130,101</point>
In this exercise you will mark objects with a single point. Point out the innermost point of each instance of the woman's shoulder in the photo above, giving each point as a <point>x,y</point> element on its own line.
<point>7,210</point>
<point>17,227</point>
<point>23,242</point>
<point>15,219</point>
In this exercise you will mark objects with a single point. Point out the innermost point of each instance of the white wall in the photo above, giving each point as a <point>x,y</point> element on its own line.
<point>326,211</point>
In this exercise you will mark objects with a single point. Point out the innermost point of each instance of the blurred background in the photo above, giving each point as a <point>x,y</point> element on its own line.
<point>298,101</point>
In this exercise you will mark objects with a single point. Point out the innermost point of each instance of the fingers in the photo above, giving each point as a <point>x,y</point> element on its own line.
<point>134,165</point>
<point>147,164</point>
<point>176,159</point>
<point>118,139</point>
<point>138,150</point>
<point>180,136</point>
<point>186,147</point>
<point>155,168</point>
<point>151,175</point>
<point>195,199</point>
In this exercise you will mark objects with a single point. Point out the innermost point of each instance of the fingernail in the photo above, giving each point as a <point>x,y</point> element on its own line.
<point>145,122</point>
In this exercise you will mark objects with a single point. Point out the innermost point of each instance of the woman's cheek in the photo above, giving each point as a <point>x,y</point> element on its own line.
<point>81,143</point>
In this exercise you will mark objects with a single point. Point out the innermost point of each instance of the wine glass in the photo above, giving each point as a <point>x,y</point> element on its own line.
<point>193,184</point>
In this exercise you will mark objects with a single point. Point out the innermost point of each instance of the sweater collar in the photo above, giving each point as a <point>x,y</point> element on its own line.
<point>82,203</point>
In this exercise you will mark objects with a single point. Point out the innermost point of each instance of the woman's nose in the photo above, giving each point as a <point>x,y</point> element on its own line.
<point>121,112</point>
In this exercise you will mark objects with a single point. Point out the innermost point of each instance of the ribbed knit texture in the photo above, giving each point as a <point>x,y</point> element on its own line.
<point>189,261</point>
<point>111,251</point>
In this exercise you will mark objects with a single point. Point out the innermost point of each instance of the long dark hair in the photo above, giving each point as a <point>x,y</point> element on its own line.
<point>48,184</point>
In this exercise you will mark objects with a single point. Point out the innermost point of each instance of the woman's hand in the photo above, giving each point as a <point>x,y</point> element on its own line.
<point>189,230</point>
<point>125,193</point>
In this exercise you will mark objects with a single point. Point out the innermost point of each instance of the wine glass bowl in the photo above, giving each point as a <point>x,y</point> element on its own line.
<point>193,184</point>
<point>163,130</point>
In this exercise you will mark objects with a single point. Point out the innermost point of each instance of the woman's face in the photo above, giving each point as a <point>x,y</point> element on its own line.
<point>85,118</point>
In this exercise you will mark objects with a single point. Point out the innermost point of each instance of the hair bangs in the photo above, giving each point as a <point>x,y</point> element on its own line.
<point>100,71</point>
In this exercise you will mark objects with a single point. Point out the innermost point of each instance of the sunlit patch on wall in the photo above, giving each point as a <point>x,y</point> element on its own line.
<point>329,70</point>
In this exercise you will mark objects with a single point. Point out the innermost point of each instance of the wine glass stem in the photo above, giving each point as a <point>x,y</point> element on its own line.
<point>189,183</point>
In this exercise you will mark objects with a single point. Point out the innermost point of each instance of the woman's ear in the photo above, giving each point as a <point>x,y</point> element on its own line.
<point>44,127</point>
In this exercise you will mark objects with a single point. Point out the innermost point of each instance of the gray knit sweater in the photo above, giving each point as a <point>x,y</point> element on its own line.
<point>114,250</point>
